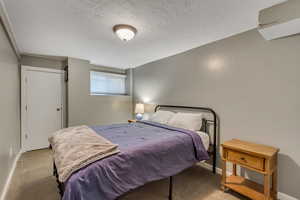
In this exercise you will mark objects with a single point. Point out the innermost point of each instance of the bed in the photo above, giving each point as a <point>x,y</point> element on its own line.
<point>149,151</point>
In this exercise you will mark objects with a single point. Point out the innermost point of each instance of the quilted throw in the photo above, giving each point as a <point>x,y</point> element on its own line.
<point>76,147</point>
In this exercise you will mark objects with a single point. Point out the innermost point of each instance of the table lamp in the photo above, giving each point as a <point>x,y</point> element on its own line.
<point>139,110</point>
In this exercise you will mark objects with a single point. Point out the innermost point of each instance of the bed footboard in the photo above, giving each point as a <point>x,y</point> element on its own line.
<point>60,185</point>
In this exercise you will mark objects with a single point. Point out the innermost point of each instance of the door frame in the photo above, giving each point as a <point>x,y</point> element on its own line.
<point>24,70</point>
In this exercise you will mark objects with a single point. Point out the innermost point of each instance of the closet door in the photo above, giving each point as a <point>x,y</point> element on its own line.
<point>43,106</point>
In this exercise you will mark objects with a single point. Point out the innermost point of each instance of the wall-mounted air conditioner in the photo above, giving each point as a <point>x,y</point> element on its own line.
<point>281,20</point>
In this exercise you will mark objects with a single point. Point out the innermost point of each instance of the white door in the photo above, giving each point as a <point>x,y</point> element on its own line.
<point>43,106</point>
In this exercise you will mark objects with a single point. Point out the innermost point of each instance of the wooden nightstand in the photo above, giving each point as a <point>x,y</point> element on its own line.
<point>255,157</point>
<point>131,120</point>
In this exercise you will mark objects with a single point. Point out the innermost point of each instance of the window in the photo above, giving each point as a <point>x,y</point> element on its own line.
<point>107,83</point>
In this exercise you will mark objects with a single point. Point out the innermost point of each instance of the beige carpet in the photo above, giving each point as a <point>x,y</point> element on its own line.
<point>33,180</point>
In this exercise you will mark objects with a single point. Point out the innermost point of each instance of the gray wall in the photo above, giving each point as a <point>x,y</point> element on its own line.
<point>9,107</point>
<point>47,62</point>
<point>84,109</point>
<point>252,84</point>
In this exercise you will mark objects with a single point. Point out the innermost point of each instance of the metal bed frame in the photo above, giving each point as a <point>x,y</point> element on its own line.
<point>206,124</point>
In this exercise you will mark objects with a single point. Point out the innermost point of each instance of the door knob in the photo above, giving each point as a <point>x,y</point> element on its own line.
<point>57,109</point>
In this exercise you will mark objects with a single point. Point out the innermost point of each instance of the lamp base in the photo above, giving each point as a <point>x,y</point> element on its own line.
<point>139,116</point>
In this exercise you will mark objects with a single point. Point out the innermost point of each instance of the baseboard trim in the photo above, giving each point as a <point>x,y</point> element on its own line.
<point>281,196</point>
<point>210,167</point>
<point>10,175</point>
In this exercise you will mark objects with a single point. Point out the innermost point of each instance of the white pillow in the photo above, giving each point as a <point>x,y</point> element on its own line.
<point>190,121</point>
<point>162,116</point>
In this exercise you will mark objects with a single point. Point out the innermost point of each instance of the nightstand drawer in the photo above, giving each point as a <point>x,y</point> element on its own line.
<point>255,157</point>
<point>246,160</point>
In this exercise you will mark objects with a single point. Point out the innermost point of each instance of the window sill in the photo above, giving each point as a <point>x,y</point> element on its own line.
<point>122,95</point>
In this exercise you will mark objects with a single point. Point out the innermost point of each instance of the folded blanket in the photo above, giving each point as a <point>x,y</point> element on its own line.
<point>76,147</point>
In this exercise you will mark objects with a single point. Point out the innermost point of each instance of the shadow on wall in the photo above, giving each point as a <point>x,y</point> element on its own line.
<point>288,183</point>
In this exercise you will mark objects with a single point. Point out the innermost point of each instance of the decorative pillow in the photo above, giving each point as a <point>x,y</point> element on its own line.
<point>162,116</point>
<point>190,121</point>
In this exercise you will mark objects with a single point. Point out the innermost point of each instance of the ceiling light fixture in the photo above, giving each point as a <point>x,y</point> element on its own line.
<point>125,32</point>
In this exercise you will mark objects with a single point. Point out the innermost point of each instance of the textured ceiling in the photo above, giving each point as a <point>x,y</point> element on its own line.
<point>83,28</point>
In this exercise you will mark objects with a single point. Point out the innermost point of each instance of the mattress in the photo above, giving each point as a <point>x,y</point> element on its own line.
<point>149,151</point>
<point>205,139</point>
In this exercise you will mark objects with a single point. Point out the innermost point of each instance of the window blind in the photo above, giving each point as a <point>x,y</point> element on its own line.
<point>107,83</point>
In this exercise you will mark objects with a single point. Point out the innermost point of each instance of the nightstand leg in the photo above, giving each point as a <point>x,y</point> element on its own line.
<point>274,184</point>
<point>267,186</point>
<point>223,175</point>
<point>234,169</point>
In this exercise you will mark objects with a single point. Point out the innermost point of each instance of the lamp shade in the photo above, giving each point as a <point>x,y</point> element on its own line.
<point>139,108</point>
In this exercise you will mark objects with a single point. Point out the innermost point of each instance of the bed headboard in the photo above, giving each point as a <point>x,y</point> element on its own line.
<point>206,122</point>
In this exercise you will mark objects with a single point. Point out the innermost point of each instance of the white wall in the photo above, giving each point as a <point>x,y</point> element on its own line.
<point>253,85</point>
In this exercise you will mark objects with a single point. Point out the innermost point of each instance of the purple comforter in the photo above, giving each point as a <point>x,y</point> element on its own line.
<point>149,151</point>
